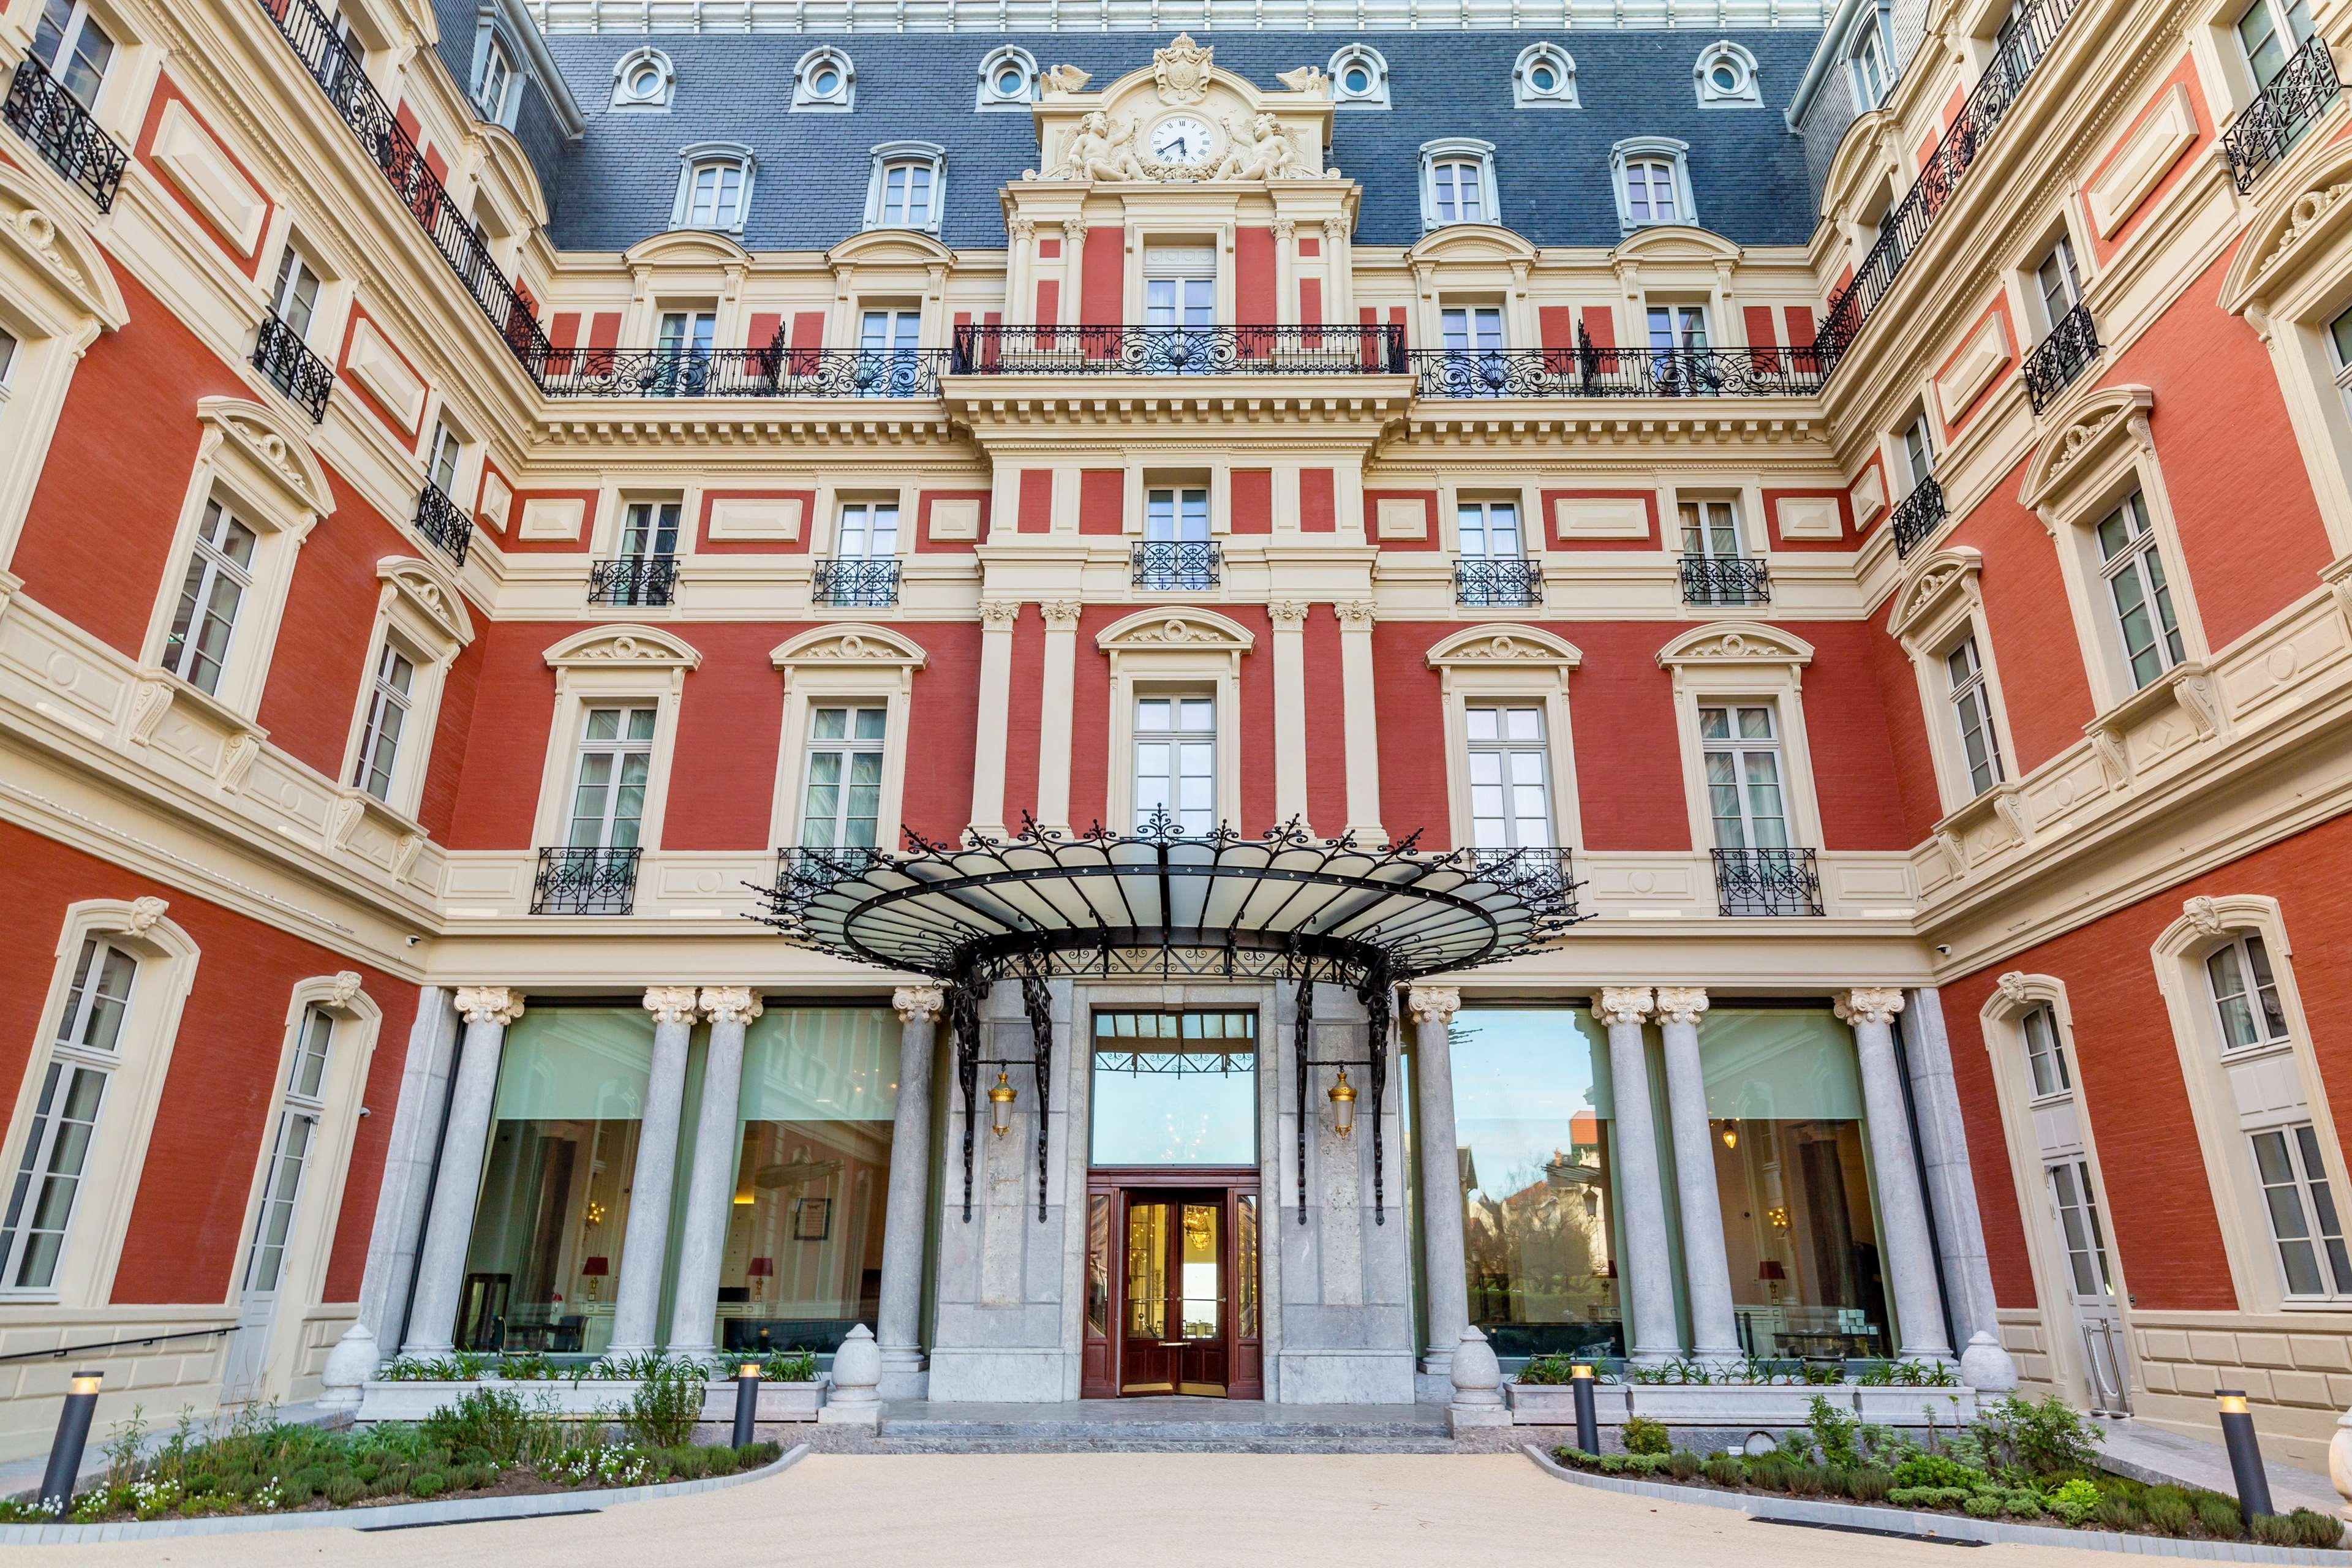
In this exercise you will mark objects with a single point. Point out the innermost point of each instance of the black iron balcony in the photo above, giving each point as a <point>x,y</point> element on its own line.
<point>1177,563</point>
<point>1725,580</point>
<point>2278,117</point>
<point>1767,882</point>
<point>584,882</point>
<point>1916,516</point>
<point>339,74</point>
<point>633,580</point>
<point>280,354</point>
<point>1179,351</point>
<point>444,521</point>
<point>2020,49</point>
<point>855,584</point>
<point>771,372</point>
<point>2055,362</point>
<point>1542,873</point>
<point>53,119</point>
<point>1589,371</point>
<point>1489,583</point>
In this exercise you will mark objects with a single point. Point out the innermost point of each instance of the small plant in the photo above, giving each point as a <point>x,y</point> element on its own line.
<point>1644,1435</point>
<point>1546,1370</point>
<point>2169,1511</point>
<point>1833,1432</point>
<point>1682,1465</point>
<point>528,1366</point>
<point>1869,1484</point>
<point>1796,1446</point>
<point>664,1405</point>
<point>2218,1516</point>
<point>2075,1501</point>
<point>1935,1470</point>
<point>1725,1470</point>
<point>1910,1374</point>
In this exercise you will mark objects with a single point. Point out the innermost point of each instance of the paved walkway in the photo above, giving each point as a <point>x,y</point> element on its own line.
<point>2152,1453</point>
<point>1199,1510</point>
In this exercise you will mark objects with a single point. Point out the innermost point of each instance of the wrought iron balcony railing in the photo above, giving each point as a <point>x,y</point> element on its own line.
<point>584,882</point>
<point>2055,362</point>
<point>53,119</point>
<point>279,353</point>
<point>1177,563</point>
<point>771,372</point>
<point>355,99</point>
<point>1725,580</point>
<point>444,521</point>
<point>1545,873</point>
<point>2276,120</point>
<point>633,580</point>
<point>846,583</point>
<point>1767,882</point>
<point>1588,372</point>
<point>1916,516</point>
<point>1490,583</point>
<point>2020,49</point>
<point>1179,351</point>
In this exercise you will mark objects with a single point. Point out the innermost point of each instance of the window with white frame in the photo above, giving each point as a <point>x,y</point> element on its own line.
<point>2080,1235</point>
<point>615,768</point>
<point>841,799</point>
<point>907,182</point>
<point>644,80</point>
<point>2305,1223</point>
<point>302,1106</point>
<point>867,531</point>
<point>1725,77</point>
<point>1652,180</point>
<point>1544,78</point>
<point>211,590</point>
<point>2269,32</point>
<point>2139,596</point>
<point>885,331</point>
<point>7,356</point>
<point>421,627</point>
<point>441,458</point>
<point>687,334</point>
<point>1489,529</point>
<point>2245,992</point>
<point>1742,744</point>
<point>1457,182</point>
<point>388,717</point>
<point>1972,713</point>
<point>2045,1052</point>
<point>1174,514</point>
<point>294,297</point>
<point>1867,62</point>
<point>1360,77</point>
<point>649,530</point>
<point>823,80</point>
<point>1176,762</point>
<point>54,1159</point>
<point>1510,777</point>
<point>1008,79</point>
<point>1919,451</point>
<point>1472,330</point>
<point>2339,345</point>
<point>2057,288</point>
<point>496,83</point>
<point>1677,329</point>
<point>1710,529</point>
<point>714,188</point>
<point>74,47</point>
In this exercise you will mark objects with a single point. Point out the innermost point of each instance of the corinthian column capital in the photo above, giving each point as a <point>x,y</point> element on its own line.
<point>1622,1004</point>
<point>499,1005</point>
<point>1288,614</point>
<point>670,1004</point>
<point>729,1003</point>
<point>1870,1005</point>
<point>1681,1004</point>
<point>918,1004</point>
<point>1433,1004</point>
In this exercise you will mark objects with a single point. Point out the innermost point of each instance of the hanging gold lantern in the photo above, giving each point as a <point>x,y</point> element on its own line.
<point>1730,1134</point>
<point>1000,1103</point>
<point>1343,1105</point>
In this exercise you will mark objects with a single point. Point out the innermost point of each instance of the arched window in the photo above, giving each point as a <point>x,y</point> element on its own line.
<point>1544,78</point>
<point>714,186</point>
<point>1726,77</point>
<point>908,181</point>
<point>1457,182</point>
<point>644,78</point>
<point>1360,77</point>
<point>1652,181</point>
<point>1008,79</point>
<point>824,79</point>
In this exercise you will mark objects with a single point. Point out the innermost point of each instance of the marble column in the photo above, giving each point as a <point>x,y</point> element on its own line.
<point>1952,1193</point>
<point>1445,1274</point>
<point>449,1227</point>
<point>1907,1247</point>
<point>710,1190</point>
<point>1707,1272</point>
<point>907,1213</point>
<point>1643,1252</point>
<point>644,1240</point>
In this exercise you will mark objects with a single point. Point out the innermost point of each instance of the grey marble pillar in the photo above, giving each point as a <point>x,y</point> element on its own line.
<point>449,1227</point>
<point>1707,1271</point>
<point>644,1240</point>
<point>906,1212</point>
<point>1445,1275</point>
<point>710,1189</point>
<point>1907,1245</point>
<point>1952,1192</point>
<point>1643,1251</point>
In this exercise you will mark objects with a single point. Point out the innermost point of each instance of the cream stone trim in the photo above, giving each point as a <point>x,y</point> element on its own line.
<point>500,1005</point>
<point>2001,1022</point>
<point>848,662</point>
<point>1057,713</point>
<point>167,958</point>
<point>1940,607</point>
<point>1433,1004</point>
<point>1744,661</point>
<point>1622,1005</point>
<point>1360,720</point>
<point>610,664</point>
<point>426,617</point>
<point>672,1005</point>
<point>1288,619</point>
<point>1174,649</point>
<point>2219,1083</point>
<point>730,1003</point>
<point>997,619</point>
<point>1502,663</point>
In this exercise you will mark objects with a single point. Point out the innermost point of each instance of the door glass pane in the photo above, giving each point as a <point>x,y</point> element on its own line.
<point>1245,1266</point>
<point>1146,1270</point>
<point>1098,1265</point>
<point>1203,1293</point>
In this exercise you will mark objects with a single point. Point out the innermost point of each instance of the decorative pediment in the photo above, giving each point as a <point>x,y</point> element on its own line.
<point>1471,242</point>
<point>888,245</point>
<point>431,596</point>
<point>1217,125</point>
<point>639,646</point>
<point>1933,583</point>
<point>2293,224</point>
<point>1669,242</point>
<point>1504,648</point>
<point>687,248</point>
<point>502,152</point>
<point>1182,70</point>
<point>2101,425</point>
<point>59,249</point>
<point>851,644</point>
<point>1736,642</point>
<point>272,448</point>
<point>1175,627</point>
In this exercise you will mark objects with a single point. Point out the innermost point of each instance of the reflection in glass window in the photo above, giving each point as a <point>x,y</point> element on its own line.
<point>1175,1089</point>
<point>1534,1124</point>
<point>2245,992</point>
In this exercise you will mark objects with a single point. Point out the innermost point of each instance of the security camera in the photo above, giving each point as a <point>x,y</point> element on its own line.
<point>1943,949</point>
<point>412,941</point>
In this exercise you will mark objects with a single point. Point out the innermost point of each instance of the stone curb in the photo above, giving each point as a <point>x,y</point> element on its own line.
<point>1949,1527</point>
<point>458,1510</point>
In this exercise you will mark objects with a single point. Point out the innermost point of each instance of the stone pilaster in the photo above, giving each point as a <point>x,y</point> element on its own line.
<point>1707,1271</point>
<point>449,1228</point>
<point>1643,1252</point>
<point>1289,618</point>
<point>1445,1272</point>
<point>996,619</point>
<point>907,1214</point>
<point>711,1188</point>
<point>1907,1243</point>
<point>1056,711</point>
<point>1360,721</point>
<point>644,1240</point>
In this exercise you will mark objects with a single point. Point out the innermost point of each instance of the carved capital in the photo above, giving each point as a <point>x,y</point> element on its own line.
<point>1283,229</point>
<point>1061,614</point>
<point>1335,229</point>
<point>1622,1005</point>
<point>500,1005</point>
<point>144,913</point>
<point>1355,613</point>
<point>729,1003</point>
<point>1000,612</point>
<point>1073,230</point>
<point>671,1004</point>
<point>1433,1004</point>
<point>1287,613</point>
<point>1681,1004</point>
<point>1022,229</point>
<point>918,1004</point>
<point>1870,1005</point>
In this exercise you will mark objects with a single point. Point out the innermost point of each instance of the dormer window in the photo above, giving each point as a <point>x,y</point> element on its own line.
<point>1866,61</point>
<point>906,186</point>
<point>714,188</point>
<point>1008,79</point>
<point>824,79</point>
<point>643,79</point>
<point>1360,77</point>
<point>1457,182</point>
<point>496,84</point>
<point>1726,75</point>
<point>1544,78</point>
<point>1652,181</point>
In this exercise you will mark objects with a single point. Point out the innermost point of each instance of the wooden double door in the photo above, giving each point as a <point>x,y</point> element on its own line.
<point>1173,1289</point>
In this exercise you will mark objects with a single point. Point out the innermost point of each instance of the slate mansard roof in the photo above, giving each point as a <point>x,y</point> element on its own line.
<point>616,185</point>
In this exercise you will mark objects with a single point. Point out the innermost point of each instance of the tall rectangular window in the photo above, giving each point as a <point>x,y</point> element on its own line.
<point>289,1155</point>
<point>649,530</point>
<point>840,805</point>
<point>1710,529</point>
<point>2134,571</point>
<point>1742,747</point>
<point>715,200</point>
<point>1489,529</point>
<point>395,680</point>
<point>1510,777</point>
<point>2269,31</point>
<point>2078,1226</point>
<point>907,194</point>
<point>2245,992</point>
<point>1461,192</point>
<point>1177,514</point>
<point>1180,302</point>
<point>890,331</point>
<point>294,299</point>
<point>868,530</point>
<point>55,1155</point>
<point>1919,449</point>
<point>220,569</point>
<point>1176,762</point>
<point>441,466</point>
<point>688,332</point>
<point>2056,284</point>
<point>1972,713</point>
<point>608,795</point>
<point>74,47</point>
<point>2045,1053</point>
<point>497,77</point>
<point>1649,190</point>
<point>1871,76</point>
<point>2303,1220</point>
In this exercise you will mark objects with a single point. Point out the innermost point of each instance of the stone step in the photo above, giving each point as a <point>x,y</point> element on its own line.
<point>1100,1441</point>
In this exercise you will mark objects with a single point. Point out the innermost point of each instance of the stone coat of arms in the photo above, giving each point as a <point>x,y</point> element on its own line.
<point>1182,69</point>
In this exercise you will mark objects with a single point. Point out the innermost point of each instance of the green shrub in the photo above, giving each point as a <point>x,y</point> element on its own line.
<point>1796,1446</point>
<point>297,1492</point>
<point>1982,1505</point>
<point>2075,1501</point>
<point>2048,1437</point>
<point>2023,1502</point>
<point>491,1424</point>
<point>345,1489</point>
<point>2274,1529</point>
<point>2121,1511</point>
<point>1869,1484</point>
<point>687,1463</point>
<point>1644,1435</point>
<point>1928,1497</point>
<point>751,1456</point>
<point>2218,1516</point>
<point>1833,1431</point>
<point>1935,1470</point>
<point>664,1405</point>
<point>1547,1370</point>
<point>427,1484</point>
<point>2169,1511</point>
<point>1574,1458</point>
<point>1725,1471</point>
<point>1772,1473</point>
<point>2313,1528</point>
<point>1682,1465</point>
<point>723,1460</point>
<point>1809,1480</point>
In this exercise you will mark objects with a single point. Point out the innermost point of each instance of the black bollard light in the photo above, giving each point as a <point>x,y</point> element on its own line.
<point>1588,1420</point>
<point>2245,1455</point>
<point>73,1435</point>
<point>747,1401</point>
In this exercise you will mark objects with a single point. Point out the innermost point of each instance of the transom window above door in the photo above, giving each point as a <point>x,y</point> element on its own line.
<point>1175,1089</point>
<point>1176,762</point>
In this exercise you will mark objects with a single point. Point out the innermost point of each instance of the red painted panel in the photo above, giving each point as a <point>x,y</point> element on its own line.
<point>1254,294</point>
<point>1558,325</point>
<point>1253,500</point>
<point>1309,246</point>
<point>1327,728</point>
<point>1310,302</point>
<point>1049,249</point>
<point>764,324</point>
<point>1412,712</point>
<point>498,785</point>
<point>2191,156</point>
<point>1619,693</point>
<point>1090,726</point>
<point>1036,501</point>
<point>938,798</point>
<point>1649,500</point>
<point>2031,626</point>
<point>1255,722</point>
<point>1099,298</point>
<point>1049,308</point>
<point>730,718</point>
<point>1318,510</point>
<point>605,329</point>
<point>1846,730</point>
<point>1428,499</point>
<point>808,337</point>
<point>1102,500</point>
<point>706,545</point>
<point>437,804</point>
<point>925,544</point>
<point>1906,730</point>
<point>1758,319</point>
<point>562,334</point>
<point>1023,713</point>
<point>1799,320</point>
<point>1601,326</point>
<point>167,91</point>
<point>1772,499</point>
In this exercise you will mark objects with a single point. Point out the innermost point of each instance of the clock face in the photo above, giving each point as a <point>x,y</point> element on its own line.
<point>1181,138</point>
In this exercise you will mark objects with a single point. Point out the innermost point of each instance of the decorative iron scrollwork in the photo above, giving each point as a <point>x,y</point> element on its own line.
<point>1061,350</point>
<point>2285,108</point>
<point>45,114</point>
